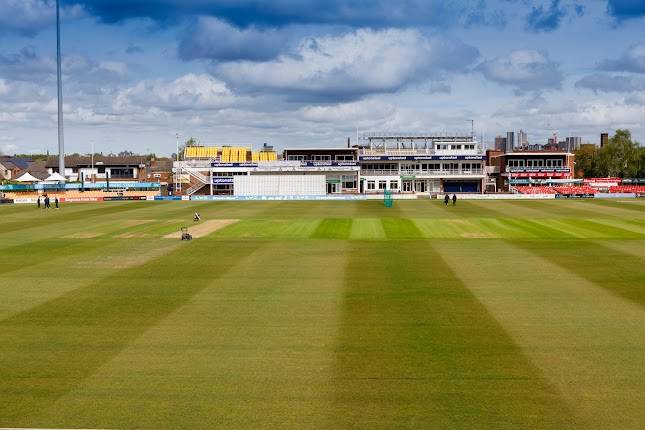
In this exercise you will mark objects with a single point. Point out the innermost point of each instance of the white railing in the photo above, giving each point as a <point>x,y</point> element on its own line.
<point>194,188</point>
<point>396,152</point>
<point>197,175</point>
<point>192,163</point>
<point>375,172</point>
<point>408,172</point>
<point>420,151</point>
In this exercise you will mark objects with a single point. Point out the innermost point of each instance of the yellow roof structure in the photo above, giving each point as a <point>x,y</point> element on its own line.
<point>201,152</point>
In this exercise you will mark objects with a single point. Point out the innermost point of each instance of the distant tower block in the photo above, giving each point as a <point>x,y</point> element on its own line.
<point>604,139</point>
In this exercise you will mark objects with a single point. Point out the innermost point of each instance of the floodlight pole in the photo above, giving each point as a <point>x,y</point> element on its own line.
<point>177,169</point>
<point>61,140</point>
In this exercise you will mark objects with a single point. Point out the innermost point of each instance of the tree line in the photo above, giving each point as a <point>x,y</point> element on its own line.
<point>621,157</point>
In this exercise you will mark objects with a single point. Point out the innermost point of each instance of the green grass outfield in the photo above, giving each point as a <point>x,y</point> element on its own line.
<point>492,315</point>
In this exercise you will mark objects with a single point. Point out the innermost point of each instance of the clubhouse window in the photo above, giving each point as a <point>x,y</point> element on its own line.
<point>296,158</point>
<point>394,185</point>
<point>321,157</point>
<point>382,185</point>
<point>349,182</point>
<point>344,158</point>
<point>371,185</point>
<point>122,173</point>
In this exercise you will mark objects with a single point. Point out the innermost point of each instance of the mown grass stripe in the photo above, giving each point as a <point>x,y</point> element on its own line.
<point>29,286</point>
<point>49,349</point>
<point>400,228</point>
<point>541,230</point>
<point>417,350</point>
<point>367,229</point>
<point>333,228</point>
<point>58,217</point>
<point>589,343</point>
<point>270,229</point>
<point>263,333</point>
<point>620,273</point>
<point>616,207</point>
<point>636,228</point>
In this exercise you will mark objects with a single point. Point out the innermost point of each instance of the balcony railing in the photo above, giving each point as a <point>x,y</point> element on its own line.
<point>409,172</point>
<point>420,151</point>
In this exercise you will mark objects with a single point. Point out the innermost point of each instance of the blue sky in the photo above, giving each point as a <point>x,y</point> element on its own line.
<point>313,72</point>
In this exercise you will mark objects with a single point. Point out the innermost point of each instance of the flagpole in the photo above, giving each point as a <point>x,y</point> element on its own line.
<point>61,140</point>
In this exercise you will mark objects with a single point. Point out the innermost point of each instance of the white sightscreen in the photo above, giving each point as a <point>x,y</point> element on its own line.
<point>279,185</point>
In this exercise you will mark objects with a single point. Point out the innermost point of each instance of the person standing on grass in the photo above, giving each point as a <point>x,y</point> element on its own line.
<point>38,202</point>
<point>454,199</point>
<point>56,201</point>
<point>446,199</point>
<point>47,202</point>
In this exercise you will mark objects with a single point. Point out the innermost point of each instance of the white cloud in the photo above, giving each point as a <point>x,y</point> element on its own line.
<point>526,70</point>
<point>115,67</point>
<point>7,148</point>
<point>632,60</point>
<point>636,98</point>
<point>28,17</point>
<point>16,91</point>
<point>351,65</point>
<point>348,112</point>
<point>211,38</point>
<point>188,92</point>
<point>612,83</point>
<point>27,65</point>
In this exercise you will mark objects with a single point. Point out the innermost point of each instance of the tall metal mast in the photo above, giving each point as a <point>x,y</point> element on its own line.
<point>61,140</point>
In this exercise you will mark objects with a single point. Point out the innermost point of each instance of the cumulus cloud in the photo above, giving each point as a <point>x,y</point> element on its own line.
<point>375,14</point>
<point>526,70</point>
<point>636,99</point>
<point>350,66</point>
<point>27,65</point>
<point>352,112</point>
<point>214,39</point>
<point>17,91</point>
<point>7,148</point>
<point>632,60</point>
<point>28,17</point>
<point>603,82</point>
<point>25,16</point>
<point>188,92</point>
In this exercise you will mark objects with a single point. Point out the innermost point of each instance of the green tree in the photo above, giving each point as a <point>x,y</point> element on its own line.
<point>586,161</point>
<point>190,142</point>
<point>620,157</point>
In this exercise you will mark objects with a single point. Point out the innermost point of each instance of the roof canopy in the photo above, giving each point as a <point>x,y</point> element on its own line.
<point>55,177</point>
<point>27,177</point>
